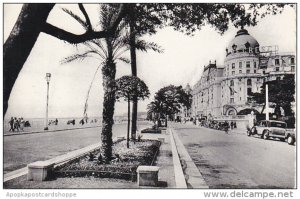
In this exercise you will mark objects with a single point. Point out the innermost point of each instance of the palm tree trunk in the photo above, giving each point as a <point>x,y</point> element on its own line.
<point>20,42</point>
<point>108,74</point>
<point>134,73</point>
<point>128,124</point>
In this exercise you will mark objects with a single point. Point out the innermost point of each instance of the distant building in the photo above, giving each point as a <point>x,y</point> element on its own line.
<point>224,90</point>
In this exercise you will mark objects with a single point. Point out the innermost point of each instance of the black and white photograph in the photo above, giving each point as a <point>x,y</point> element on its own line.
<point>150,95</point>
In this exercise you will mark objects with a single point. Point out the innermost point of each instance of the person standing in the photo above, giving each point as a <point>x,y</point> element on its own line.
<point>21,123</point>
<point>231,125</point>
<point>16,124</point>
<point>11,124</point>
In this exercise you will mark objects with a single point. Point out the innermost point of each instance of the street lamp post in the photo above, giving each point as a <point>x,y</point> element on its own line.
<point>267,102</point>
<point>48,76</point>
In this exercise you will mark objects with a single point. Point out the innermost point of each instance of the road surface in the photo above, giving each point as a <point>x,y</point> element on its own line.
<point>237,161</point>
<point>20,150</point>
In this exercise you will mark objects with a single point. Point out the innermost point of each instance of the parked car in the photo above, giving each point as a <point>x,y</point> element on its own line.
<point>213,124</point>
<point>272,129</point>
<point>222,126</point>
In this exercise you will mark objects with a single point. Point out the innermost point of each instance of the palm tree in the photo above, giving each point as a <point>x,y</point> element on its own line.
<point>109,50</point>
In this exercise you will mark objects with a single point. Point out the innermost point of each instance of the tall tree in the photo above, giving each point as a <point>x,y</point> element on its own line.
<point>168,101</point>
<point>109,51</point>
<point>141,20</point>
<point>131,88</point>
<point>31,22</point>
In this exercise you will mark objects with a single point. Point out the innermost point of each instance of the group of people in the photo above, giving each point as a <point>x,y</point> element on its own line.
<point>16,124</point>
<point>55,122</point>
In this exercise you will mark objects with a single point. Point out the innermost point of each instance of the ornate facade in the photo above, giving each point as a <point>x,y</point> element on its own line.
<point>224,90</point>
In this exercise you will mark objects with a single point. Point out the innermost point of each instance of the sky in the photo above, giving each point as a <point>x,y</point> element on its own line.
<point>181,63</point>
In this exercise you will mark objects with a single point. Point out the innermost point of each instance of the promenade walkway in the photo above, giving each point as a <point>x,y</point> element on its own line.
<point>17,179</point>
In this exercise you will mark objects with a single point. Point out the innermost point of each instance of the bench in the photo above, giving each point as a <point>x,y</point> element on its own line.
<point>147,175</point>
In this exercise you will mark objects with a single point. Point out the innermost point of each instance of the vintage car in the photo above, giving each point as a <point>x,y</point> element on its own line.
<point>213,124</point>
<point>272,129</point>
<point>222,126</point>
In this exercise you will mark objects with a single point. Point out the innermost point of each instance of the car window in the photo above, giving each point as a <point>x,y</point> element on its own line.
<point>277,124</point>
<point>263,124</point>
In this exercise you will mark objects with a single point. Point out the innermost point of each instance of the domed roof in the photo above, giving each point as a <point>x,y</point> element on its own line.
<point>241,41</point>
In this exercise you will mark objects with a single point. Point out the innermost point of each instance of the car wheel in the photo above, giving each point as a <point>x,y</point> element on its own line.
<point>290,140</point>
<point>248,133</point>
<point>266,135</point>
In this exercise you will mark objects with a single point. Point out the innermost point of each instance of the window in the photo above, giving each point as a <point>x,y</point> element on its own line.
<point>277,69</point>
<point>263,124</point>
<point>293,68</point>
<point>292,60</point>
<point>276,61</point>
<point>254,71</point>
<point>248,71</point>
<point>240,64</point>
<point>231,83</point>
<point>231,100</point>
<point>249,82</point>
<point>249,91</point>
<point>233,72</point>
<point>248,64</point>
<point>240,71</point>
<point>277,124</point>
<point>240,99</point>
<point>254,64</point>
<point>258,80</point>
<point>234,48</point>
<point>264,72</point>
<point>233,65</point>
<point>231,91</point>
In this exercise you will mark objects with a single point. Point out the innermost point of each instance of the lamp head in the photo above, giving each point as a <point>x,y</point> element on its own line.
<point>48,76</point>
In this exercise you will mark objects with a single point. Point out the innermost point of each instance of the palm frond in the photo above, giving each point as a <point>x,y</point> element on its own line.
<point>145,46</point>
<point>124,59</point>
<point>83,23</point>
<point>88,93</point>
<point>99,44</point>
<point>78,57</point>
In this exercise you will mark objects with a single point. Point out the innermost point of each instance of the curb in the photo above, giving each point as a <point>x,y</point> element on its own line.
<point>195,178</point>
<point>15,174</point>
<point>33,132</point>
<point>179,176</point>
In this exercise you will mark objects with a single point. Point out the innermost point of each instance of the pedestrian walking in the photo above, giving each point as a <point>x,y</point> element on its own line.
<point>21,124</point>
<point>226,127</point>
<point>11,124</point>
<point>231,125</point>
<point>234,125</point>
<point>16,124</point>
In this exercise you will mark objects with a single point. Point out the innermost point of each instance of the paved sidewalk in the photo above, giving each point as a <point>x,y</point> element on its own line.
<point>166,175</point>
<point>48,131</point>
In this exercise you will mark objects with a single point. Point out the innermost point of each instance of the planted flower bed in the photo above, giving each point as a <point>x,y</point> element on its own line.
<point>123,166</point>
